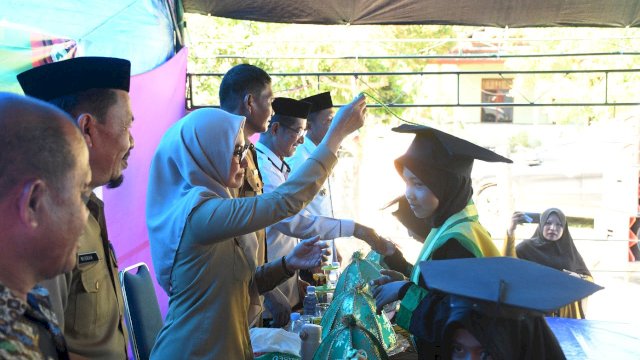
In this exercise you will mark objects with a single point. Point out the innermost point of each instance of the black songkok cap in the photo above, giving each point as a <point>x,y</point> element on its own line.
<point>433,149</point>
<point>51,81</point>
<point>319,102</point>
<point>499,285</point>
<point>290,107</point>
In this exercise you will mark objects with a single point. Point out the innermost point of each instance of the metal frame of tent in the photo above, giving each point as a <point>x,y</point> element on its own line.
<point>458,74</point>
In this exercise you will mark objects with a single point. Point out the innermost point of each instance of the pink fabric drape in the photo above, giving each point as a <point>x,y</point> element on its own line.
<point>157,101</point>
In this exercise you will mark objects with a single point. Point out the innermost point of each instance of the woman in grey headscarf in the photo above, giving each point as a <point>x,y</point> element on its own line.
<point>196,229</point>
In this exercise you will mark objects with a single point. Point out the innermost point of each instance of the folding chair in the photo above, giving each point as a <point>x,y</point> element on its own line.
<point>142,312</point>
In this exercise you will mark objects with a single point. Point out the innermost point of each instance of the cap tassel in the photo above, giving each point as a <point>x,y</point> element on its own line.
<point>502,289</point>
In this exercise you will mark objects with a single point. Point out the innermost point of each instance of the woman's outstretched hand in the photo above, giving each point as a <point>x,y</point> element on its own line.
<point>384,246</point>
<point>379,244</point>
<point>348,119</point>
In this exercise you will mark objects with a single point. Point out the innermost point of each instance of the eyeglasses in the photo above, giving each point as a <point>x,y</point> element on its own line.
<point>241,152</point>
<point>299,132</point>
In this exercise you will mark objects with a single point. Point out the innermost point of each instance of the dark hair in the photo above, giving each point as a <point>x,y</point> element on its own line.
<point>283,119</point>
<point>94,101</point>
<point>33,144</point>
<point>239,81</point>
<point>408,218</point>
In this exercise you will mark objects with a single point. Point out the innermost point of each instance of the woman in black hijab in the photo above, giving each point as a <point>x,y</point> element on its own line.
<point>552,245</point>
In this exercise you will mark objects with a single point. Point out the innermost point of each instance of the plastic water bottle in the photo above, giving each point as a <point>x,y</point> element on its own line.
<point>334,274</point>
<point>329,297</point>
<point>295,325</point>
<point>310,301</point>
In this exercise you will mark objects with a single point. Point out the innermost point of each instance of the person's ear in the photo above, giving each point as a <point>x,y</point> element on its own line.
<point>273,129</point>
<point>31,202</point>
<point>248,102</point>
<point>310,125</point>
<point>87,123</point>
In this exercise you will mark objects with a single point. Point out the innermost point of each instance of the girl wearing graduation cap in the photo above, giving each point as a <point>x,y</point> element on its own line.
<point>437,172</point>
<point>499,312</point>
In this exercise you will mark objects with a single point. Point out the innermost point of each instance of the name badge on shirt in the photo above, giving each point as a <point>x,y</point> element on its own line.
<point>87,258</point>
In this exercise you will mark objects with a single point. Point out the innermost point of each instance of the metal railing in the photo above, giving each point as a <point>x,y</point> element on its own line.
<point>606,101</point>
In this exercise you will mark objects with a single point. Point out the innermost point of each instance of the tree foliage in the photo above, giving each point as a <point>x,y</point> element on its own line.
<point>217,44</point>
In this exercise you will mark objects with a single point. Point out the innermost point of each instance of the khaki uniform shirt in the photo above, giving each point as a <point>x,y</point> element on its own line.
<point>88,300</point>
<point>256,250</point>
<point>253,186</point>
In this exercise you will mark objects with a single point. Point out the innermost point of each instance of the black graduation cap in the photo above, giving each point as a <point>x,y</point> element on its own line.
<point>319,102</point>
<point>51,81</point>
<point>435,149</point>
<point>516,284</point>
<point>290,107</point>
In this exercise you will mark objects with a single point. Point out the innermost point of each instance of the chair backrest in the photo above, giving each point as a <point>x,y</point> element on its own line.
<point>142,312</point>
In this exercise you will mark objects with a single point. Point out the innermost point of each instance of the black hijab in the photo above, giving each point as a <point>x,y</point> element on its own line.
<point>560,255</point>
<point>453,190</point>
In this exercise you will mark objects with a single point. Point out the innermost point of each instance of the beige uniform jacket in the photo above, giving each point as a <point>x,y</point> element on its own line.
<point>253,186</point>
<point>88,300</point>
<point>256,250</point>
<point>211,276</point>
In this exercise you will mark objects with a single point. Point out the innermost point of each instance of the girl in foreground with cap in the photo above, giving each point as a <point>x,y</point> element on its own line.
<point>196,229</point>
<point>437,172</point>
<point>498,313</point>
<point>551,245</point>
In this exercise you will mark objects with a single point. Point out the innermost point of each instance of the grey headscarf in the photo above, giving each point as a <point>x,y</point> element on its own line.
<point>189,167</point>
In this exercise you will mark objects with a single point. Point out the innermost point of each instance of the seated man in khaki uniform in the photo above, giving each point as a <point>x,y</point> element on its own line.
<point>88,299</point>
<point>44,178</point>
